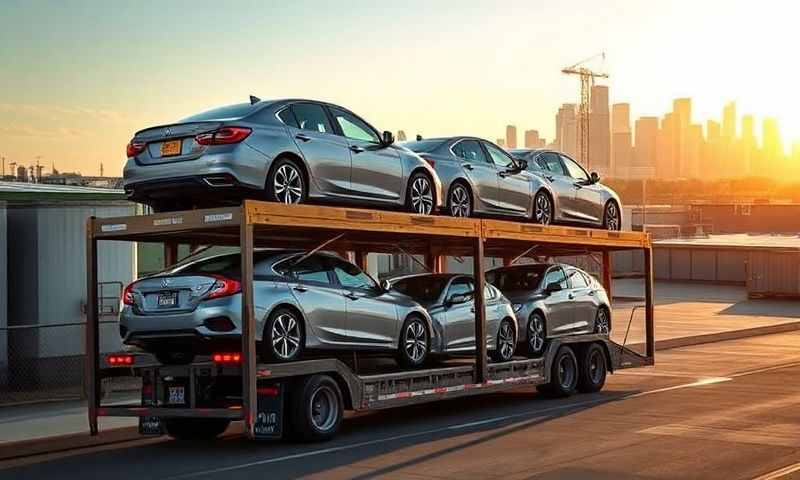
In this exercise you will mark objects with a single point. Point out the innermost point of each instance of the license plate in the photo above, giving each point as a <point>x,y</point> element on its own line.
<point>169,299</point>
<point>177,396</point>
<point>171,148</point>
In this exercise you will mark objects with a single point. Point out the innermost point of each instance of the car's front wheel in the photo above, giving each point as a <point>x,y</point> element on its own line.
<point>286,183</point>
<point>506,342</point>
<point>284,336</point>
<point>414,343</point>
<point>542,208</point>
<point>536,335</point>
<point>420,197</point>
<point>611,217</point>
<point>459,202</point>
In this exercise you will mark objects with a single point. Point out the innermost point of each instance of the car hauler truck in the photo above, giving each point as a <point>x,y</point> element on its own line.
<point>306,399</point>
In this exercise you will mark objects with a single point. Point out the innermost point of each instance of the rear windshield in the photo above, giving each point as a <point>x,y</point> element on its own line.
<point>421,289</point>
<point>513,279</point>
<point>422,146</point>
<point>230,112</point>
<point>225,265</point>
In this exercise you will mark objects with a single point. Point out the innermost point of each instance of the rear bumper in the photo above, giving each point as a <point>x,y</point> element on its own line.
<point>210,188</point>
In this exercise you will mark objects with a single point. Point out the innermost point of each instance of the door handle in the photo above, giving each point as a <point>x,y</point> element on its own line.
<point>571,296</point>
<point>472,309</point>
<point>591,293</point>
<point>351,296</point>
<point>356,149</point>
<point>300,289</point>
<point>549,178</point>
<point>302,137</point>
<point>467,166</point>
<point>577,186</point>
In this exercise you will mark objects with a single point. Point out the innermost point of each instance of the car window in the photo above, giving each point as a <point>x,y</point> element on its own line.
<point>551,163</point>
<point>499,157</point>
<point>312,269</point>
<point>228,112</point>
<point>287,117</point>
<point>514,279</point>
<point>489,293</point>
<point>556,275</point>
<point>350,276</point>
<point>577,279</point>
<point>574,170</point>
<point>470,150</point>
<point>353,127</point>
<point>423,146</point>
<point>422,289</point>
<point>311,116</point>
<point>461,286</point>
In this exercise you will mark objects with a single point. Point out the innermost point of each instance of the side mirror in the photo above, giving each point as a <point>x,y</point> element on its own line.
<point>595,177</point>
<point>553,287</point>
<point>388,138</point>
<point>385,285</point>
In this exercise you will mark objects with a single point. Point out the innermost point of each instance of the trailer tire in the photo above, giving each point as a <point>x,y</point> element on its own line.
<point>195,428</point>
<point>593,369</point>
<point>563,375</point>
<point>316,409</point>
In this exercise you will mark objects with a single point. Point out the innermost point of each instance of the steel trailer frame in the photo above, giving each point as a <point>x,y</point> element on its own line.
<point>255,224</point>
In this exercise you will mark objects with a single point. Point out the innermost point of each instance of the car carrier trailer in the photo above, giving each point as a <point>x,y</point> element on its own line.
<point>305,398</point>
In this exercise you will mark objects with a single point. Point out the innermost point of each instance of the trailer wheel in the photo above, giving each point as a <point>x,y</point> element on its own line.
<point>563,374</point>
<point>593,369</point>
<point>195,428</point>
<point>316,409</point>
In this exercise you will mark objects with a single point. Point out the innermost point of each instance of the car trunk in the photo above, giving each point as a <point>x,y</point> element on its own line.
<point>172,143</point>
<point>171,294</point>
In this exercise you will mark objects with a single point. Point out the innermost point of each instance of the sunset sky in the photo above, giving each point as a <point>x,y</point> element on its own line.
<point>78,78</point>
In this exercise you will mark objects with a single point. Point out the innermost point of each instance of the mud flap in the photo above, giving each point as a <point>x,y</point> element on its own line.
<point>269,419</point>
<point>151,426</point>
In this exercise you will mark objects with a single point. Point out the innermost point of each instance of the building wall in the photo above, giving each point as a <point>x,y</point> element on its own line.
<point>3,296</point>
<point>756,218</point>
<point>774,274</point>
<point>718,265</point>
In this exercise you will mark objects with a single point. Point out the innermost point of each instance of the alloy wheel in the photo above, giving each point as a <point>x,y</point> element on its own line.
<point>612,216</point>
<point>506,341</point>
<point>324,411</point>
<point>536,334</point>
<point>601,322</point>
<point>421,195</point>
<point>543,209</point>
<point>460,203</point>
<point>288,184</point>
<point>285,336</point>
<point>416,341</point>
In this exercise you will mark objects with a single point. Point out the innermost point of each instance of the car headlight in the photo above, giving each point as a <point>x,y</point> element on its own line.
<point>517,307</point>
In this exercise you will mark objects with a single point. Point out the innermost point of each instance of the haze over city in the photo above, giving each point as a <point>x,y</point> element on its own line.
<point>78,80</point>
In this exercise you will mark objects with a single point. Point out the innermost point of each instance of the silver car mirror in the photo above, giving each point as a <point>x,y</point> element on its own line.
<point>595,177</point>
<point>385,285</point>
<point>388,138</point>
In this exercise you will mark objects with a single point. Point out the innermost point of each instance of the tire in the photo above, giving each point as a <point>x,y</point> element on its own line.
<point>316,409</point>
<point>506,342</point>
<point>195,428</point>
<point>420,195</point>
<point>536,333</point>
<point>602,321</point>
<point>287,183</point>
<point>459,201</point>
<point>543,208</point>
<point>563,375</point>
<point>414,343</point>
<point>612,219</point>
<point>284,336</point>
<point>592,369</point>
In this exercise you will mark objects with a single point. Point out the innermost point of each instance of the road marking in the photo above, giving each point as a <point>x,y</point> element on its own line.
<point>780,473</point>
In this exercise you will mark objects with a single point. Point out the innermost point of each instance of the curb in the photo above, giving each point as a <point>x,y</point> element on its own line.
<point>63,443</point>
<point>671,343</point>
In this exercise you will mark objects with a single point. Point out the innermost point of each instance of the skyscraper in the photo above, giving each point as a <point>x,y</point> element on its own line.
<point>599,131</point>
<point>511,136</point>
<point>711,152</point>
<point>566,130</point>
<point>501,142</point>
<point>729,120</point>
<point>532,139</point>
<point>665,154</point>
<point>646,148</point>
<point>682,118</point>
<point>401,136</point>
<point>621,148</point>
<point>749,145</point>
<point>772,151</point>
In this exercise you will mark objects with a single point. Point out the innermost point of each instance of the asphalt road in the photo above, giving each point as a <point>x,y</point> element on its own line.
<point>725,410</point>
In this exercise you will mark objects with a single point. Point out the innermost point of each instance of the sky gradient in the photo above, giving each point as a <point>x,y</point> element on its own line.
<point>80,77</point>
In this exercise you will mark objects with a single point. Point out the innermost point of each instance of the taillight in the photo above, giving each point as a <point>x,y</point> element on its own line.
<point>223,287</point>
<point>120,359</point>
<point>430,161</point>
<point>135,148</point>
<point>127,295</point>
<point>223,136</point>
<point>233,357</point>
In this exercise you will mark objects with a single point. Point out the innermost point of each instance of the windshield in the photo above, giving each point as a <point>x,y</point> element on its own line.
<point>512,279</point>
<point>228,112</point>
<point>225,265</point>
<point>423,146</point>
<point>422,289</point>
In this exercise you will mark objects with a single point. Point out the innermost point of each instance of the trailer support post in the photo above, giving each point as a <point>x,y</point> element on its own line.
<point>607,272</point>
<point>481,368</point>
<point>92,341</point>
<point>249,394</point>
<point>650,340</point>
<point>170,254</point>
<point>361,259</point>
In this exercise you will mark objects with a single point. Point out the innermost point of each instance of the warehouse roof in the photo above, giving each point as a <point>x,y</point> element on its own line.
<point>31,192</point>
<point>735,241</point>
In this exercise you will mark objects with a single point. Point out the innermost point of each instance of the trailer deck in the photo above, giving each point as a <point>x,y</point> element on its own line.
<point>261,224</point>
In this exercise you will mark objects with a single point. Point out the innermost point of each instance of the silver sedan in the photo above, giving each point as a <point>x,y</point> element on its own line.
<point>289,151</point>
<point>553,301</point>
<point>449,300</point>
<point>316,302</point>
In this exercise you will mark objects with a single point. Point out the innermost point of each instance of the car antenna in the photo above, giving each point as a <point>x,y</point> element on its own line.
<point>254,99</point>
<point>317,249</point>
<point>419,137</point>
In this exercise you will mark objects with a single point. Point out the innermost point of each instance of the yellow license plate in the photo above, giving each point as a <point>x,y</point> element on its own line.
<point>171,148</point>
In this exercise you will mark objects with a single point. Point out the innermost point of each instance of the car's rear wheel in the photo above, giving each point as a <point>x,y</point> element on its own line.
<point>284,336</point>
<point>195,428</point>
<point>611,216</point>
<point>563,375</point>
<point>602,321</point>
<point>506,342</point>
<point>542,208</point>
<point>414,343</point>
<point>536,335</point>
<point>286,183</point>
<point>316,409</point>
<point>459,201</point>
<point>592,364</point>
<point>420,197</point>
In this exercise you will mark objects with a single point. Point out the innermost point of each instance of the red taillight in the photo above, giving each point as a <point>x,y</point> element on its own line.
<point>127,295</point>
<point>233,357</point>
<point>223,287</point>
<point>135,148</point>
<point>223,136</point>
<point>430,161</point>
<point>120,359</point>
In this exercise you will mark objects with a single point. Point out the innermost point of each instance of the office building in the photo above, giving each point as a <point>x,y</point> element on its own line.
<point>599,131</point>
<point>511,136</point>
<point>645,148</point>
<point>621,148</point>
<point>567,130</point>
<point>532,139</point>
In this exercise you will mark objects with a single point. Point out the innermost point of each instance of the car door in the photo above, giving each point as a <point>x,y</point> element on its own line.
<point>513,190</point>
<point>376,172</point>
<point>371,314</point>
<point>319,297</point>
<point>480,171</point>
<point>326,153</point>
<point>560,307</point>
<point>583,300</point>
<point>561,183</point>
<point>589,197</point>
<point>459,329</point>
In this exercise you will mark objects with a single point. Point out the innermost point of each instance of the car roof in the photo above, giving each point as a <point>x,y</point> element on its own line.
<point>429,275</point>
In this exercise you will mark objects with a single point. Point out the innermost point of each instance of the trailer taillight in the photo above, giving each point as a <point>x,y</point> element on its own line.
<point>120,359</point>
<point>233,357</point>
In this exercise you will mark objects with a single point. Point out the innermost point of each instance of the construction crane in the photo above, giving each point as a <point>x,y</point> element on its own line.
<point>587,77</point>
